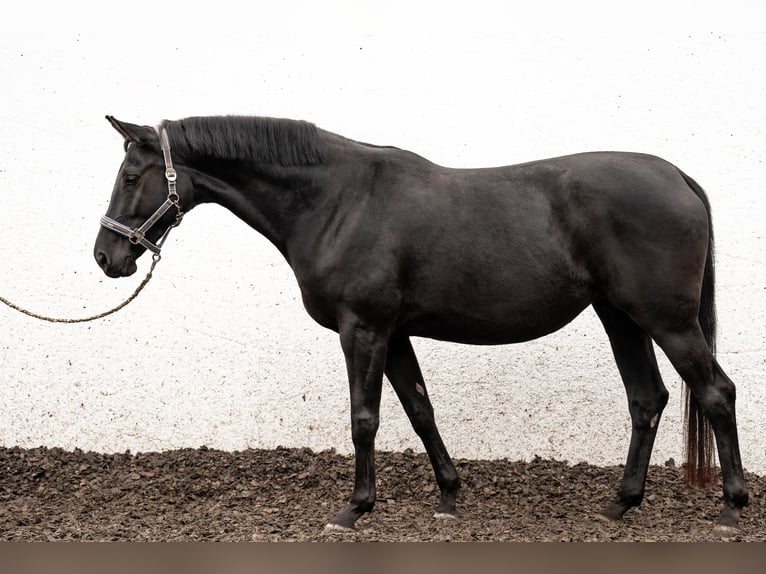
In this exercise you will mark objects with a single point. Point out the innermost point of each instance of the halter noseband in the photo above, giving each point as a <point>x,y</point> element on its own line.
<point>137,235</point>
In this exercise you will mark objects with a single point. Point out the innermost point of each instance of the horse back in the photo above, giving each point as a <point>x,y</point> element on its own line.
<point>498,255</point>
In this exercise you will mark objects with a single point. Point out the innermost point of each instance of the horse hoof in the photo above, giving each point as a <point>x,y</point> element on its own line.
<point>725,531</point>
<point>448,515</point>
<point>601,517</point>
<point>332,527</point>
<point>612,512</point>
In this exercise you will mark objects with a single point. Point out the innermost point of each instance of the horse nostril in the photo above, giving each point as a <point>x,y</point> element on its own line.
<point>102,259</point>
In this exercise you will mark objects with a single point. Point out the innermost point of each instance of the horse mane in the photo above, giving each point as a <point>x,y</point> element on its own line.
<point>259,139</point>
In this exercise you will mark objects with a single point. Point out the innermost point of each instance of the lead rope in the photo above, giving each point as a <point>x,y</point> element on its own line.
<point>155,260</point>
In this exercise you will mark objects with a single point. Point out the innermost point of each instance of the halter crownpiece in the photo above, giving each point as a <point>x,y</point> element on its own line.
<point>137,235</point>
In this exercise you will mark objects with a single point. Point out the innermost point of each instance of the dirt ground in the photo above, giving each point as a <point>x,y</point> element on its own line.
<point>290,494</point>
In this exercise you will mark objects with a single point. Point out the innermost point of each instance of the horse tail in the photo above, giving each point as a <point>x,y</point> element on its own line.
<point>700,446</point>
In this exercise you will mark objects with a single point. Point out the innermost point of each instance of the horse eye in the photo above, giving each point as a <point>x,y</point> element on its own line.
<point>131,179</point>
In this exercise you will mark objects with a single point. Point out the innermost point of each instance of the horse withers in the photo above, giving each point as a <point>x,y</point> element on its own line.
<point>386,245</point>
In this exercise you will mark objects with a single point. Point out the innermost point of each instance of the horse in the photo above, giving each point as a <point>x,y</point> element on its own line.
<point>386,245</point>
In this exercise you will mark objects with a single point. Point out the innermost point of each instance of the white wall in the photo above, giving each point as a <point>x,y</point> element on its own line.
<point>218,350</point>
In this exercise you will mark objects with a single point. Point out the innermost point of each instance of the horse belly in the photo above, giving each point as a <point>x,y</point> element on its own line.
<point>508,309</point>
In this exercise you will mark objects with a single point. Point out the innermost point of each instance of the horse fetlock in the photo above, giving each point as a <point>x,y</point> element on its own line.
<point>631,497</point>
<point>735,495</point>
<point>449,484</point>
<point>362,503</point>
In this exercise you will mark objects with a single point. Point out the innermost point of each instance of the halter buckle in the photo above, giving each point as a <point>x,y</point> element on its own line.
<point>136,236</point>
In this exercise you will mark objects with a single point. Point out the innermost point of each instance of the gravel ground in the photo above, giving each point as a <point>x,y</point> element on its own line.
<point>290,494</point>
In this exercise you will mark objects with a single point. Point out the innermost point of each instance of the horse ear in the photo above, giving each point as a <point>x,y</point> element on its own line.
<point>132,132</point>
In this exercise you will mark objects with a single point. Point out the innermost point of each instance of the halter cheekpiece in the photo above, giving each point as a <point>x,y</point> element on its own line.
<point>137,235</point>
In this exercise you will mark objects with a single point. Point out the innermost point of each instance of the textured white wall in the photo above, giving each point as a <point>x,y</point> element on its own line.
<point>218,350</point>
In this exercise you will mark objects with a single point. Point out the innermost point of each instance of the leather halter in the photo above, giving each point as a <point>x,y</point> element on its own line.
<point>137,235</point>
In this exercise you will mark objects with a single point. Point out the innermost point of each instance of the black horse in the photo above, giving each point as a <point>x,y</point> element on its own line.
<point>386,245</point>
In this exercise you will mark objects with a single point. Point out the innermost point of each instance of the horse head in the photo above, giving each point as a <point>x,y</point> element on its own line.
<point>145,201</point>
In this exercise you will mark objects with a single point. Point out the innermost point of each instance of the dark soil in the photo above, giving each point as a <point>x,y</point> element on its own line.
<point>290,494</point>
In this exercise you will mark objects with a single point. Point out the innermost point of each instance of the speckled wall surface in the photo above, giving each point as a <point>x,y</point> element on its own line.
<point>218,350</point>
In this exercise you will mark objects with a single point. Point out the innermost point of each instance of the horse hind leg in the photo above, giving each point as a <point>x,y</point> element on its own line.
<point>687,350</point>
<point>647,397</point>
<point>404,373</point>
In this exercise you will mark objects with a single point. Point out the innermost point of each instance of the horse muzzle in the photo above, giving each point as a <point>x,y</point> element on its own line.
<point>115,267</point>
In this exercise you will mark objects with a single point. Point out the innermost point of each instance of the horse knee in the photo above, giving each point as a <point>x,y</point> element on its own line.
<point>364,425</point>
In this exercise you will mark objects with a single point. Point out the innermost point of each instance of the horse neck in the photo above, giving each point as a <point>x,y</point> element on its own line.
<point>269,198</point>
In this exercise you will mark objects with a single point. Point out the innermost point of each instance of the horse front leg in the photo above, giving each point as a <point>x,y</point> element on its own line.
<point>403,371</point>
<point>365,351</point>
